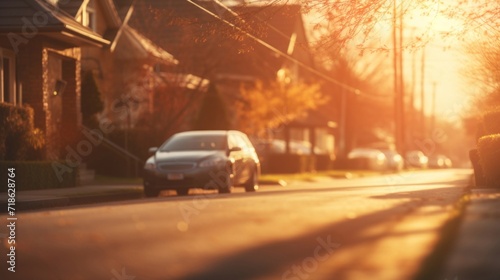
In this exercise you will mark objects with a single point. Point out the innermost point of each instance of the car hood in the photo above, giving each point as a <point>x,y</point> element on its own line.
<point>191,156</point>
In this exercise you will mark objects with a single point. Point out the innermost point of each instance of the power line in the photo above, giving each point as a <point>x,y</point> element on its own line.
<point>274,49</point>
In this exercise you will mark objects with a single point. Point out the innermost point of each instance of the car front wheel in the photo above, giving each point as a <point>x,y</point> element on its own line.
<point>225,187</point>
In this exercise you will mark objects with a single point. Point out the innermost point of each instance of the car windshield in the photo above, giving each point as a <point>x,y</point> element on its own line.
<point>195,143</point>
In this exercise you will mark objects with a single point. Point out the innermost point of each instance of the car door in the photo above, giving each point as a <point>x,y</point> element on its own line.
<point>247,161</point>
<point>237,156</point>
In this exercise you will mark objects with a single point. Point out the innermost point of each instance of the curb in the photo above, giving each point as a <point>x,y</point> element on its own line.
<point>37,204</point>
<point>71,201</point>
<point>281,183</point>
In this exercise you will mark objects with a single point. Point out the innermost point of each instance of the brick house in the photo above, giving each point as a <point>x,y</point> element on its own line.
<point>229,58</point>
<point>40,50</point>
<point>46,45</point>
<point>125,69</point>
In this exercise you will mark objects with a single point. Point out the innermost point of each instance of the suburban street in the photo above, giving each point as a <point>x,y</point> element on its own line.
<point>367,228</point>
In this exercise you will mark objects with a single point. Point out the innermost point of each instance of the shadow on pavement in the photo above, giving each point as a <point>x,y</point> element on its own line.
<point>278,257</point>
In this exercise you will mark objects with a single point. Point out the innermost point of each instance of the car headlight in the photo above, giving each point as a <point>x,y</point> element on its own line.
<point>212,162</point>
<point>150,165</point>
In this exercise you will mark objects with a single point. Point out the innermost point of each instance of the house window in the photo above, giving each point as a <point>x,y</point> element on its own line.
<point>7,76</point>
<point>89,16</point>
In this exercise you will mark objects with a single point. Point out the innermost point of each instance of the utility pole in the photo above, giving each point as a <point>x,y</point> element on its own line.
<point>422,92</point>
<point>433,119</point>
<point>401,104</point>
<point>411,108</point>
<point>399,101</point>
<point>397,137</point>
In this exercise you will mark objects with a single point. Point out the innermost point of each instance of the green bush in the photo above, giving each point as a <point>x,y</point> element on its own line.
<point>491,122</point>
<point>19,140</point>
<point>36,175</point>
<point>489,154</point>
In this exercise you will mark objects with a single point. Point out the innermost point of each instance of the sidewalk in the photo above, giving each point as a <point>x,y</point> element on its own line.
<point>95,193</point>
<point>48,198</point>
<point>476,253</point>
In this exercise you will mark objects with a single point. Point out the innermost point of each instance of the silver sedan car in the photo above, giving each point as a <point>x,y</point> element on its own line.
<point>211,159</point>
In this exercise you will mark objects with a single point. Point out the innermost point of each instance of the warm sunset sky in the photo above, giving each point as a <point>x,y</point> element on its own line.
<point>445,59</point>
<point>445,56</point>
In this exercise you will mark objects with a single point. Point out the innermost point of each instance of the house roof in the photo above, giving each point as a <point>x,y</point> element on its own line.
<point>75,7</point>
<point>134,45</point>
<point>20,15</point>
<point>72,7</point>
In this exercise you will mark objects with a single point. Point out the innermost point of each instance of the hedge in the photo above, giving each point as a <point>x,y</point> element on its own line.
<point>36,175</point>
<point>489,154</point>
<point>19,140</point>
<point>478,170</point>
<point>491,122</point>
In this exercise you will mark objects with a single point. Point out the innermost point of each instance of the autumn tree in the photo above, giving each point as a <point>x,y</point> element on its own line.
<point>265,107</point>
<point>484,50</point>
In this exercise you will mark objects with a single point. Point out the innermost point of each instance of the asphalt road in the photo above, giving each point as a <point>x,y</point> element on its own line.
<point>368,228</point>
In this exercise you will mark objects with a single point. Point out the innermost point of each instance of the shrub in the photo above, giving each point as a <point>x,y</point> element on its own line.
<point>19,140</point>
<point>489,154</point>
<point>491,121</point>
<point>478,170</point>
<point>36,175</point>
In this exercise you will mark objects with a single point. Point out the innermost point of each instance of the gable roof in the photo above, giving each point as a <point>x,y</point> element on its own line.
<point>72,7</point>
<point>134,45</point>
<point>17,15</point>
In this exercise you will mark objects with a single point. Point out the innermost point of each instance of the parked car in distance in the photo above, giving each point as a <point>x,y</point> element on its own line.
<point>367,158</point>
<point>395,161</point>
<point>416,159</point>
<point>210,159</point>
<point>439,161</point>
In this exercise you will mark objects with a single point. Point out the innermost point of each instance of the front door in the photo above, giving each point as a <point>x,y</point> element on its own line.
<point>54,112</point>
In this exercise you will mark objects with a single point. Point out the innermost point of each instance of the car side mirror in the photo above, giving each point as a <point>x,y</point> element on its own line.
<point>153,150</point>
